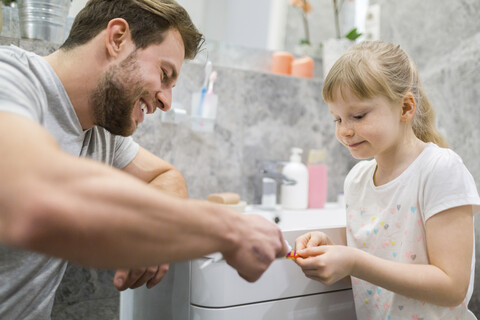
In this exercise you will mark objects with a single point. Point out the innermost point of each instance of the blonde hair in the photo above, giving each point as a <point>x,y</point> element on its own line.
<point>373,68</point>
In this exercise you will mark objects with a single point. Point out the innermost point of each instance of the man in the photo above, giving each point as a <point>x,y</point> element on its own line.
<point>64,114</point>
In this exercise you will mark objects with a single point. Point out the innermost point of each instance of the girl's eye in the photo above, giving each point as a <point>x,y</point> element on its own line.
<point>337,120</point>
<point>359,116</point>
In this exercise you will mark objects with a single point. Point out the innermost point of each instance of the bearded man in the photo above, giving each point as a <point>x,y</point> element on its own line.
<point>76,187</point>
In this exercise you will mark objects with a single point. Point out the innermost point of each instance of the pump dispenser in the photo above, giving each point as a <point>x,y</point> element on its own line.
<point>295,196</point>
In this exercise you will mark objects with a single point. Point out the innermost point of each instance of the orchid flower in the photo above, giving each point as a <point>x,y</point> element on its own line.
<point>302,4</point>
<point>305,6</point>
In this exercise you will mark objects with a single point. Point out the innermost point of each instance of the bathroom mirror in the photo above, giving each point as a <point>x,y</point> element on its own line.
<point>272,24</point>
<point>244,33</point>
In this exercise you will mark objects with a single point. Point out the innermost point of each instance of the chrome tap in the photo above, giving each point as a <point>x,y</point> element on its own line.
<point>271,178</point>
<point>270,170</point>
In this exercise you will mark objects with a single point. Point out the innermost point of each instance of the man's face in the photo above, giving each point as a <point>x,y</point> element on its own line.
<point>138,85</point>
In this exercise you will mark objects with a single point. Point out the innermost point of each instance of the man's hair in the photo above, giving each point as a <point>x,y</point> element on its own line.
<point>148,21</point>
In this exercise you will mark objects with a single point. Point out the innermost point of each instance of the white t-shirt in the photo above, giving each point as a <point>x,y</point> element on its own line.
<point>388,221</point>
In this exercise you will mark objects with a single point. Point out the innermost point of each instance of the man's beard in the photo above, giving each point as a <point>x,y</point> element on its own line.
<point>113,100</point>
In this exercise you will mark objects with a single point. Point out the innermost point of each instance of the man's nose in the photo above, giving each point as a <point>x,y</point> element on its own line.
<point>165,99</point>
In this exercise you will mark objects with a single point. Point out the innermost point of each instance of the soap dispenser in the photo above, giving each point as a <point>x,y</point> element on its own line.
<point>295,196</point>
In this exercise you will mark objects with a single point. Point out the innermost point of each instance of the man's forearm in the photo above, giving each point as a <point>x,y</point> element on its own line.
<point>160,174</point>
<point>89,213</point>
<point>101,217</point>
<point>172,183</point>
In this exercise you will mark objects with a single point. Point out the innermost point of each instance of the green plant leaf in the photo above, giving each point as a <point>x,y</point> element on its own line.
<point>7,2</point>
<point>304,41</point>
<point>353,34</point>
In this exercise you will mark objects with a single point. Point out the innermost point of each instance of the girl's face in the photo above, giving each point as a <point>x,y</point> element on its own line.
<point>367,127</point>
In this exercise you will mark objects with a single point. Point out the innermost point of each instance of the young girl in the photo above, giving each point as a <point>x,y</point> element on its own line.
<point>410,209</point>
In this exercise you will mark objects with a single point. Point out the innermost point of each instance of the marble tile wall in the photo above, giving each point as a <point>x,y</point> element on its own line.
<point>260,117</point>
<point>86,293</point>
<point>10,26</point>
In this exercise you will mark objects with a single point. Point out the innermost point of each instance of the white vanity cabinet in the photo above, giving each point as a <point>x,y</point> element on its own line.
<point>218,293</point>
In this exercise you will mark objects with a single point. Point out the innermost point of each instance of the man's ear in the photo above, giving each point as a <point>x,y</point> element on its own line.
<point>408,107</point>
<point>118,38</point>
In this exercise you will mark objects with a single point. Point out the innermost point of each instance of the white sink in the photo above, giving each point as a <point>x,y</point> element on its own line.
<point>332,216</point>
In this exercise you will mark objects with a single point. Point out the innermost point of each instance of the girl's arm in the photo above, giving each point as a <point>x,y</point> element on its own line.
<point>444,282</point>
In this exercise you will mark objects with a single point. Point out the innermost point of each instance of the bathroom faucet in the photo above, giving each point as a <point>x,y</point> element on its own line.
<point>271,178</point>
<point>270,170</point>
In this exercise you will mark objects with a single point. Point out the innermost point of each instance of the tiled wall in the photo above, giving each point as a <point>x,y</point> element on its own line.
<point>260,117</point>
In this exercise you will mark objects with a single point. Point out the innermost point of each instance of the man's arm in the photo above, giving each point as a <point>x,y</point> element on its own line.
<point>158,173</point>
<point>162,176</point>
<point>86,212</point>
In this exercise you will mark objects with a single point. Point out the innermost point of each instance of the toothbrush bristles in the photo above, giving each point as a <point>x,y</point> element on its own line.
<point>292,254</point>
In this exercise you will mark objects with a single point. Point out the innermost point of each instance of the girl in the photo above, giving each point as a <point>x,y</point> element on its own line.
<point>410,209</point>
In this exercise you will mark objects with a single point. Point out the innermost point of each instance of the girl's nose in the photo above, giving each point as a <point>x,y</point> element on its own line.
<point>345,131</point>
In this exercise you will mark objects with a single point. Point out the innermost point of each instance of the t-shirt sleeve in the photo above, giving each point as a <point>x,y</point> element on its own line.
<point>126,149</point>
<point>449,184</point>
<point>20,93</point>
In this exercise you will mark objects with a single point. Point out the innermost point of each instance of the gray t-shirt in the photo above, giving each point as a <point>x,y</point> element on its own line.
<point>29,87</point>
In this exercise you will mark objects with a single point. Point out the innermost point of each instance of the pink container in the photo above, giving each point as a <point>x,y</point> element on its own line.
<point>282,63</point>
<point>317,185</point>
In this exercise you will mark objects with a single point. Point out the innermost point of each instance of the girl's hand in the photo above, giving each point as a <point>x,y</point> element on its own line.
<point>312,239</point>
<point>326,263</point>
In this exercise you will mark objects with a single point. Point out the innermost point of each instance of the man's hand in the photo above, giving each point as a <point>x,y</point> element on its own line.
<point>261,242</point>
<point>135,278</point>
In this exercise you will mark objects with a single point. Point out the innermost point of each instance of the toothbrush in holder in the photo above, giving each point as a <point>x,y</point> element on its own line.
<point>208,71</point>
<point>213,77</point>
<point>210,100</point>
